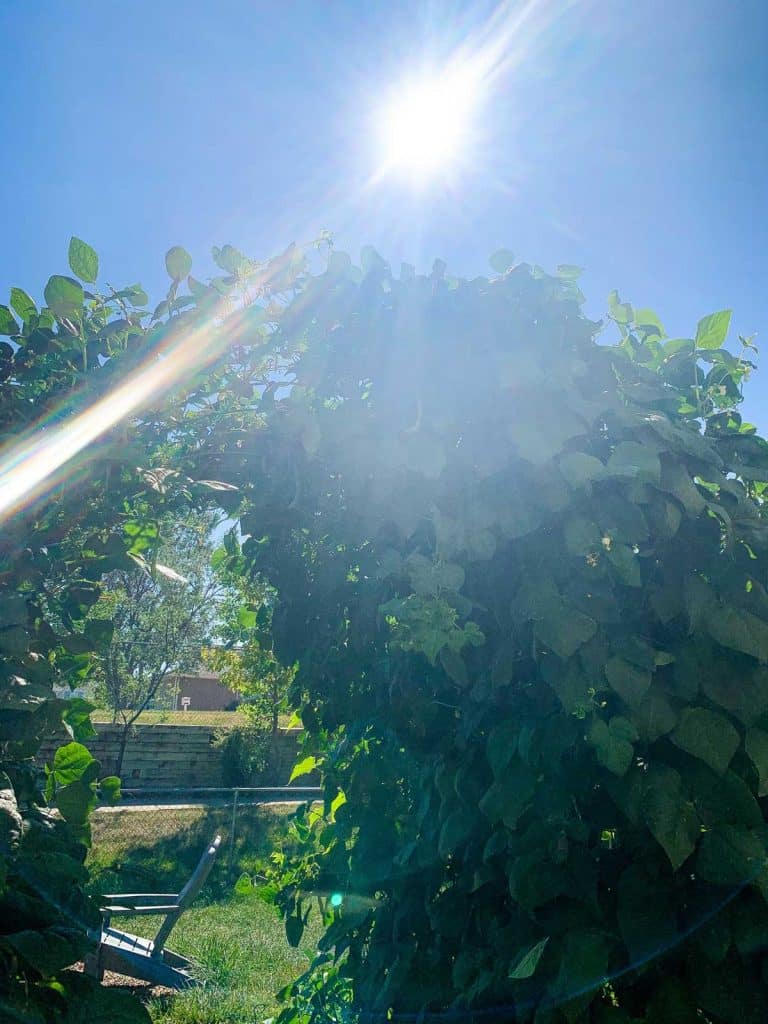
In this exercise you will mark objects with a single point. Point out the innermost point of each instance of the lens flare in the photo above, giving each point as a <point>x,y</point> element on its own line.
<point>42,457</point>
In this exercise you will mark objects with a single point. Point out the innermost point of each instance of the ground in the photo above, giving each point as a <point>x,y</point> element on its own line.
<point>238,941</point>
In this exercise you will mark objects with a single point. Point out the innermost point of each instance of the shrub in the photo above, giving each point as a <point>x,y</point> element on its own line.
<point>523,573</point>
<point>245,753</point>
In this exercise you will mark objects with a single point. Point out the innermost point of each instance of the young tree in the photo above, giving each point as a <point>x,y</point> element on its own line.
<point>246,662</point>
<point>163,613</point>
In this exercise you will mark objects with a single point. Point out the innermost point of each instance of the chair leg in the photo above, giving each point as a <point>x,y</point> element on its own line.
<point>93,965</point>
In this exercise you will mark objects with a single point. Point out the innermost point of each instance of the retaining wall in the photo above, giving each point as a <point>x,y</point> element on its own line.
<point>173,755</point>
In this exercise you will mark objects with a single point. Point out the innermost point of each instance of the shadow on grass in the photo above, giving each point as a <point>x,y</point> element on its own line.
<point>157,850</point>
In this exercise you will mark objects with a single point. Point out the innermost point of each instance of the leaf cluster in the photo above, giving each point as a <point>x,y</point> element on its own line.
<point>523,573</point>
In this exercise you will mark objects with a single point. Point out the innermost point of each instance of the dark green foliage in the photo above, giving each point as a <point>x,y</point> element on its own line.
<point>97,517</point>
<point>523,575</point>
<point>94,519</point>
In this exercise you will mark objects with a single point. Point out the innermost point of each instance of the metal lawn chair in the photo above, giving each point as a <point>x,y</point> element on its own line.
<point>148,959</point>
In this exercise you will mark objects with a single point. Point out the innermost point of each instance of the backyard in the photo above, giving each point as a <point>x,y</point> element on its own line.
<point>390,374</point>
<point>236,939</point>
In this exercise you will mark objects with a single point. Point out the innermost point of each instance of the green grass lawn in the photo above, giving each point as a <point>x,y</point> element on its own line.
<point>238,942</point>
<point>243,959</point>
<point>221,719</point>
<point>142,849</point>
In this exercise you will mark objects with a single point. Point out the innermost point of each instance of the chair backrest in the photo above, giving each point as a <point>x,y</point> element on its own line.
<point>185,897</point>
<point>199,875</point>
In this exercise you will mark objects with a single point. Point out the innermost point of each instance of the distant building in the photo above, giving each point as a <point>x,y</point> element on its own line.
<point>201,692</point>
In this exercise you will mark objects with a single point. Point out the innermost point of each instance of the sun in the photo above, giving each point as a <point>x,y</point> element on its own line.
<point>423,129</point>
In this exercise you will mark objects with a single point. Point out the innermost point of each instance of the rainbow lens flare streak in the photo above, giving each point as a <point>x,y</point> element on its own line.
<point>38,460</point>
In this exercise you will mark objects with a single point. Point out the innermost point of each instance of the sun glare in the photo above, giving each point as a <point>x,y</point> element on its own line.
<point>424,127</point>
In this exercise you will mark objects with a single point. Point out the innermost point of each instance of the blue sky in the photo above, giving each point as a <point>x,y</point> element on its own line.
<point>627,137</point>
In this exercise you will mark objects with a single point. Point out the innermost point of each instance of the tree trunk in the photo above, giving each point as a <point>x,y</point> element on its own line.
<point>121,749</point>
<point>275,725</point>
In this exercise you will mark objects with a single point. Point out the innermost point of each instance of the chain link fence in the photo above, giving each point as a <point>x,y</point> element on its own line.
<point>153,840</point>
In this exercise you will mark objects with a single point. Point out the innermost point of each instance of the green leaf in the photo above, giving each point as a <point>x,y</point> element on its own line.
<point>613,743</point>
<point>507,797</point>
<point>569,272</point>
<point>722,799</point>
<point>502,261</point>
<point>229,259</point>
<point>109,789</point>
<point>654,716</point>
<point>649,322</point>
<point>454,666</point>
<point>88,1002</point>
<point>99,632</point>
<point>22,304</point>
<point>634,461</point>
<point>621,312</point>
<point>670,817</point>
<point>339,264</point>
<point>564,630</point>
<point>70,763</point>
<point>64,297</point>
<point>371,260</point>
<point>756,746</point>
<point>76,801</point>
<point>8,325</point>
<point>630,682</point>
<point>626,563</point>
<point>581,536</point>
<point>244,885</point>
<point>424,453</point>
<point>712,330</point>
<point>246,618</point>
<point>304,767</point>
<point>178,263</point>
<point>201,292</point>
<point>738,630</point>
<point>456,828</point>
<point>46,951</point>
<point>583,963</point>
<point>731,855</point>
<point>707,735</point>
<point>294,929</point>
<point>136,295</point>
<point>83,261</point>
<point>525,963</point>
<point>76,716</point>
<point>429,578</point>
<point>500,747</point>
<point>580,469</point>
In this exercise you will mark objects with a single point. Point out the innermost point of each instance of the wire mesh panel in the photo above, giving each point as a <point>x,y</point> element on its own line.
<point>155,846</point>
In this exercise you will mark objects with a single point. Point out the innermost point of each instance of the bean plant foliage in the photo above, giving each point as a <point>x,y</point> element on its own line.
<point>98,517</point>
<point>522,569</point>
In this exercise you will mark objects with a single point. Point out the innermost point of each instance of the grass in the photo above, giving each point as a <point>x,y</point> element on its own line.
<point>220,719</point>
<point>238,942</point>
<point>143,849</point>
<point>243,959</point>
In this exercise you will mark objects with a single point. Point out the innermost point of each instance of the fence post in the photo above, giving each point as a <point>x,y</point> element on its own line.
<point>232,832</point>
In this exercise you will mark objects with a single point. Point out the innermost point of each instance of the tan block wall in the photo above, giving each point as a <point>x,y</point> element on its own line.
<point>174,756</point>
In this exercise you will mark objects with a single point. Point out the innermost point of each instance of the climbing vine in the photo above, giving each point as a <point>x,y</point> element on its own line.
<point>521,564</point>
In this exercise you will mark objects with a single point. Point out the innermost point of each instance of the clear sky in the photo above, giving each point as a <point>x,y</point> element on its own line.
<point>625,136</point>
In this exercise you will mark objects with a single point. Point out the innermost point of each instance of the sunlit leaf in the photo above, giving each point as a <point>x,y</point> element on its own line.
<point>83,261</point>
